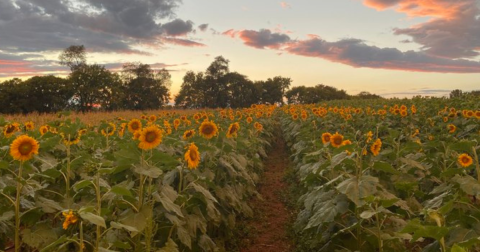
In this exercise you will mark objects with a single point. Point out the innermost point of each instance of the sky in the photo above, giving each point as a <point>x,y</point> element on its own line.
<point>394,48</point>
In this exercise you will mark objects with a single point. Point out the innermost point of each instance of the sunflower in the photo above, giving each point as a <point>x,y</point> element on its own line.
<point>477,114</point>
<point>249,119</point>
<point>376,146</point>
<point>109,130</point>
<point>23,148</point>
<point>451,128</point>
<point>10,129</point>
<point>369,136</point>
<point>336,140</point>
<point>136,134</point>
<point>192,156</point>
<point>70,218</point>
<point>152,118</point>
<point>150,137</point>
<point>29,126</point>
<point>403,113</point>
<point>304,116</point>
<point>71,140</point>
<point>188,134</point>
<point>43,129</point>
<point>465,160</point>
<point>326,137</point>
<point>208,129</point>
<point>233,129</point>
<point>346,142</point>
<point>294,117</point>
<point>134,125</point>
<point>258,126</point>
<point>176,123</point>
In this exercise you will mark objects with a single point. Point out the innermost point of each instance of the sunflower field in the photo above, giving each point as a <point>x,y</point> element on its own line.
<point>164,181</point>
<point>386,175</point>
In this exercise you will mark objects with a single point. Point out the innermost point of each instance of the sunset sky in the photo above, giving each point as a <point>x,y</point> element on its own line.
<point>389,47</point>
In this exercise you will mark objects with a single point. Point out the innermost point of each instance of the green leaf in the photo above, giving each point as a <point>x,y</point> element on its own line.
<point>52,247</point>
<point>100,249</point>
<point>357,189</point>
<point>420,230</point>
<point>118,190</point>
<point>4,164</point>
<point>117,225</point>
<point>385,167</point>
<point>468,184</point>
<point>456,248</point>
<point>170,246</point>
<point>184,237</point>
<point>93,218</point>
<point>81,184</point>
<point>149,171</point>
<point>48,205</point>
<point>464,146</point>
<point>39,237</point>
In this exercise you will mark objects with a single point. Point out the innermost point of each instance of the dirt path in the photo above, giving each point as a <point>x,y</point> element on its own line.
<point>272,215</point>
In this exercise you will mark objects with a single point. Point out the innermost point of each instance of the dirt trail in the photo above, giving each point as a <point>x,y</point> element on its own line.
<point>272,215</point>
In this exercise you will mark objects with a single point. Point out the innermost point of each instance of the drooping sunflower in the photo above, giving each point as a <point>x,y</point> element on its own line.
<point>465,160</point>
<point>451,128</point>
<point>10,129</point>
<point>233,129</point>
<point>192,156</point>
<point>188,134</point>
<point>258,126</point>
<point>150,137</point>
<point>70,218</point>
<point>43,129</point>
<point>208,129</point>
<point>376,146</point>
<point>134,125</point>
<point>326,137</point>
<point>336,140</point>
<point>29,126</point>
<point>23,148</point>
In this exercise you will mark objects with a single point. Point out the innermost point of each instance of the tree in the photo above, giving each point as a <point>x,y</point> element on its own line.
<point>215,84</point>
<point>74,56</point>
<point>273,90</point>
<point>92,86</point>
<point>144,87</point>
<point>296,95</point>
<point>191,94</point>
<point>241,91</point>
<point>456,93</point>
<point>47,94</point>
<point>367,95</point>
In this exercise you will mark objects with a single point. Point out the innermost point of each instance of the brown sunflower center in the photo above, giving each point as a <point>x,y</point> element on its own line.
<point>150,137</point>
<point>193,155</point>
<point>465,160</point>
<point>207,129</point>
<point>326,138</point>
<point>337,140</point>
<point>25,148</point>
<point>189,134</point>
<point>135,126</point>
<point>10,129</point>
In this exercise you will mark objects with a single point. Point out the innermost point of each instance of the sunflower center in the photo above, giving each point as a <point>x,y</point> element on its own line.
<point>327,138</point>
<point>10,129</point>
<point>25,148</point>
<point>150,137</point>
<point>193,155</point>
<point>207,130</point>
<point>465,160</point>
<point>135,126</point>
<point>338,140</point>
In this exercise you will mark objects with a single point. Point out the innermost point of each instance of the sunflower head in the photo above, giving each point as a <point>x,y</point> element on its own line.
<point>376,146</point>
<point>249,119</point>
<point>188,134</point>
<point>109,129</point>
<point>152,118</point>
<point>29,126</point>
<point>43,129</point>
<point>208,129</point>
<point>192,156</point>
<point>23,148</point>
<point>326,137</point>
<point>150,137</point>
<point>336,140</point>
<point>70,218</point>
<point>258,126</point>
<point>176,123</point>
<point>10,129</point>
<point>233,129</point>
<point>465,160</point>
<point>71,140</point>
<point>134,125</point>
<point>451,128</point>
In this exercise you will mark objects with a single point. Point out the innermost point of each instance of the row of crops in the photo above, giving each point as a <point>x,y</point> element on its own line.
<point>386,175</point>
<point>157,182</point>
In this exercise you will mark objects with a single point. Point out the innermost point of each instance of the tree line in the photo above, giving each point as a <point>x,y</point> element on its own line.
<point>139,87</point>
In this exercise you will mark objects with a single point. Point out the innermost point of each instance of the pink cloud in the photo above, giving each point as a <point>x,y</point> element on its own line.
<point>285,5</point>
<point>259,39</point>
<point>183,42</point>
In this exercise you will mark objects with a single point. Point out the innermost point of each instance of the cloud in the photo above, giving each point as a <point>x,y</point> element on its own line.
<point>100,25</point>
<point>259,39</point>
<point>203,27</point>
<point>178,27</point>
<point>452,32</point>
<point>285,5</point>
<point>183,42</point>
<point>356,53</point>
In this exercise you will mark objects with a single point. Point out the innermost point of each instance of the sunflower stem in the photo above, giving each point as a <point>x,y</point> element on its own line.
<point>180,183</point>
<point>81,236</point>
<point>17,208</point>
<point>477,165</point>
<point>99,209</point>
<point>67,179</point>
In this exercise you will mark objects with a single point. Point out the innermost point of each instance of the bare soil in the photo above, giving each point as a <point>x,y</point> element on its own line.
<point>272,216</point>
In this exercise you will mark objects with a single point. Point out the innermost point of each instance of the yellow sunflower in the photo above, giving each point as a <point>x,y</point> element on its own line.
<point>208,129</point>
<point>346,142</point>
<point>192,156</point>
<point>176,123</point>
<point>150,137</point>
<point>188,134</point>
<point>336,140</point>
<point>23,148</point>
<point>258,126</point>
<point>249,119</point>
<point>376,146</point>
<point>465,160</point>
<point>10,129</point>
<point>477,114</point>
<point>233,129</point>
<point>71,140</point>
<point>134,125</point>
<point>369,136</point>
<point>451,128</point>
<point>29,126</point>
<point>152,118</point>
<point>326,137</point>
<point>70,218</point>
<point>109,130</point>
<point>43,129</point>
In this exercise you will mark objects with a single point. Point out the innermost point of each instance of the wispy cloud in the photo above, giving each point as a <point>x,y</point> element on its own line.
<point>260,39</point>
<point>285,5</point>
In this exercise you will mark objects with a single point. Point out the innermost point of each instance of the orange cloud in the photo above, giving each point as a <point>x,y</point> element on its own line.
<point>285,5</point>
<point>421,8</point>
<point>259,39</point>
